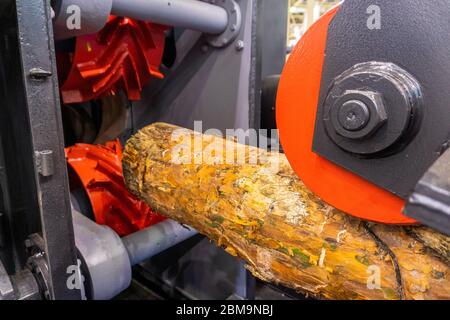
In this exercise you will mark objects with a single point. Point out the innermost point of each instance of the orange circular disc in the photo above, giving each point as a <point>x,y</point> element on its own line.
<point>297,101</point>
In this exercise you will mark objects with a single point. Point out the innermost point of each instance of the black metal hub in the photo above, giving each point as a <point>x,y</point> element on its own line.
<point>400,74</point>
<point>373,107</point>
<point>353,116</point>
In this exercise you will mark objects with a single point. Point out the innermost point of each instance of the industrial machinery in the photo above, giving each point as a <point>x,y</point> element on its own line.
<point>77,78</point>
<point>361,110</point>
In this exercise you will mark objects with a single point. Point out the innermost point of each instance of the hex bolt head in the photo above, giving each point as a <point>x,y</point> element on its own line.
<point>240,45</point>
<point>358,114</point>
<point>354,115</point>
<point>39,74</point>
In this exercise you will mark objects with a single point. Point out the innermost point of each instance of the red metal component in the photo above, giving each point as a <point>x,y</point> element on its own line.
<point>297,100</point>
<point>124,55</point>
<point>99,169</point>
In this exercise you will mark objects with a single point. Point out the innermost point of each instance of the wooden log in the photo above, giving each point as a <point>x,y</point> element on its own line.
<point>261,212</point>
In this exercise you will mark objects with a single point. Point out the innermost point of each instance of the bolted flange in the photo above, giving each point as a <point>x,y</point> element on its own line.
<point>373,109</point>
<point>234,24</point>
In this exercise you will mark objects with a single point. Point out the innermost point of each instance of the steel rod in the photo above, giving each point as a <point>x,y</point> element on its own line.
<point>149,242</point>
<point>189,14</point>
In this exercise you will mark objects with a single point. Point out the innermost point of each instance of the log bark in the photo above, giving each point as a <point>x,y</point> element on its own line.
<point>261,212</point>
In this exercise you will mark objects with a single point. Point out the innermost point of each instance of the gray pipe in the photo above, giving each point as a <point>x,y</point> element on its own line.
<point>105,256</point>
<point>149,242</point>
<point>109,258</point>
<point>78,17</point>
<point>189,14</point>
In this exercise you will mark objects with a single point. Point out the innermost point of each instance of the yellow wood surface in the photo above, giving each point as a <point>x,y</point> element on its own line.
<point>262,213</point>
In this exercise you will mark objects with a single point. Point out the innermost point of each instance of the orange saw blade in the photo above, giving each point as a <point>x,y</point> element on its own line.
<point>297,103</point>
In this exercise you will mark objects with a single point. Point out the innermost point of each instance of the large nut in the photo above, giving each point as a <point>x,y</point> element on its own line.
<point>371,110</point>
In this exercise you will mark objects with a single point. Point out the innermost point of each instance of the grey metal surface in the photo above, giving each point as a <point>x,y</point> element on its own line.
<point>39,268</point>
<point>271,35</point>
<point>207,84</point>
<point>151,241</point>
<point>26,286</point>
<point>198,269</point>
<point>38,265</point>
<point>268,49</point>
<point>245,283</point>
<point>105,255</point>
<point>6,287</point>
<point>189,14</point>
<point>92,15</point>
<point>233,27</point>
<point>109,258</point>
<point>44,163</point>
<point>44,129</point>
<point>21,286</point>
<point>220,87</point>
<point>430,201</point>
<point>203,271</point>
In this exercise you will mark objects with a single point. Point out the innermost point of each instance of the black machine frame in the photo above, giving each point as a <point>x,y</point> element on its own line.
<point>35,187</point>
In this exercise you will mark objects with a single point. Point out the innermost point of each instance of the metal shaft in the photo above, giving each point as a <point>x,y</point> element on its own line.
<point>149,242</point>
<point>189,14</point>
<point>109,258</point>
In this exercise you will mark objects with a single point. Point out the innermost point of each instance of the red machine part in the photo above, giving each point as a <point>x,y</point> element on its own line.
<point>124,55</point>
<point>99,168</point>
<point>297,101</point>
